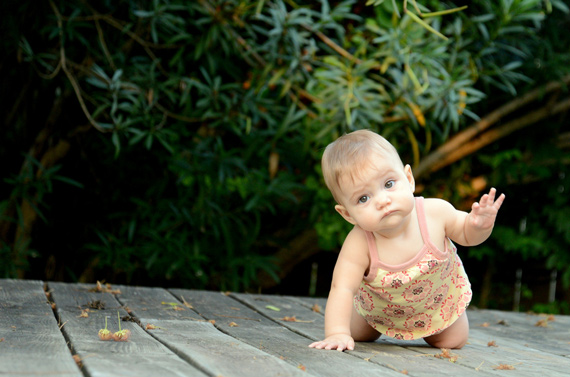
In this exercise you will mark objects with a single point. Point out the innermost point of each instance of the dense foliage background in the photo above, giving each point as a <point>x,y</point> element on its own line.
<point>177,143</point>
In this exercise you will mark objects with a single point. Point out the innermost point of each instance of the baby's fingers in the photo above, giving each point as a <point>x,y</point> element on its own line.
<point>499,202</point>
<point>489,199</point>
<point>339,346</point>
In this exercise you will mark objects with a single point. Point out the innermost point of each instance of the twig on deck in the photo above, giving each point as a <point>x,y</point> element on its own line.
<point>229,316</point>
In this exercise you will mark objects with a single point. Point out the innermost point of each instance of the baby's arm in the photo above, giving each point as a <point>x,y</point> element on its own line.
<point>475,227</point>
<point>348,272</point>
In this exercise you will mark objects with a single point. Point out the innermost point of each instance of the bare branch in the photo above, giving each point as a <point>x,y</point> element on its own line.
<point>70,76</point>
<point>489,137</point>
<point>439,158</point>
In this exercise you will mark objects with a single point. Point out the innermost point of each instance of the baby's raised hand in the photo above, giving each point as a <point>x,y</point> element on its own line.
<point>483,214</point>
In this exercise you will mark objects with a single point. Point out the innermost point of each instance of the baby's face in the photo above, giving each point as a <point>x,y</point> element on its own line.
<point>379,197</point>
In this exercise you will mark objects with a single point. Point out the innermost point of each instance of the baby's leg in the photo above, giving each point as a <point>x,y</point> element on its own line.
<point>360,330</point>
<point>455,336</point>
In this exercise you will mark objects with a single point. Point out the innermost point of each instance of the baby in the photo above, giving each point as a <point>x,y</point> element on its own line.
<point>398,273</point>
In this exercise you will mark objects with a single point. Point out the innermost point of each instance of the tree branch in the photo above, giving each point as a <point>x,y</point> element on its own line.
<point>439,158</point>
<point>70,76</point>
<point>491,136</point>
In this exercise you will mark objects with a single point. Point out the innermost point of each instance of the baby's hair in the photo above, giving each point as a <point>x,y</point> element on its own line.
<point>352,153</point>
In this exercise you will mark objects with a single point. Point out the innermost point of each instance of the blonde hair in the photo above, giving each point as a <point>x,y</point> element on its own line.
<point>351,153</point>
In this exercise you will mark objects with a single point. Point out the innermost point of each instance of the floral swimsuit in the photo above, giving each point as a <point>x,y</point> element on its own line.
<point>419,298</point>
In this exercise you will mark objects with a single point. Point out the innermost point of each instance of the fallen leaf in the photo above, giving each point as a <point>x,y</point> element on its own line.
<point>274,308</point>
<point>173,305</point>
<point>233,324</point>
<point>150,327</point>
<point>446,354</point>
<point>316,308</point>
<point>542,323</point>
<point>84,314</point>
<point>492,343</point>
<point>485,324</point>
<point>212,321</point>
<point>130,318</point>
<point>302,367</point>
<point>99,287</point>
<point>186,304</point>
<point>504,367</point>
<point>77,360</point>
<point>405,371</point>
<point>96,304</point>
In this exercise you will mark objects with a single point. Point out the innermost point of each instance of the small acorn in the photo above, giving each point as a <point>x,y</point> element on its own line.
<point>121,335</point>
<point>105,334</point>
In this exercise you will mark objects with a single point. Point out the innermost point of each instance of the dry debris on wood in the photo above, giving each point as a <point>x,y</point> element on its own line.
<point>544,321</point>
<point>293,319</point>
<point>173,305</point>
<point>446,354</point>
<point>96,304</point>
<point>84,313</point>
<point>504,367</point>
<point>105,288</point>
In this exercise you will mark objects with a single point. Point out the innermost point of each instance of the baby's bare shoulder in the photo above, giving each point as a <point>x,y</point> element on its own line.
<point>436,205</point>
<point>356,238</point>
<point>355,246</point>
<point>440,210</point>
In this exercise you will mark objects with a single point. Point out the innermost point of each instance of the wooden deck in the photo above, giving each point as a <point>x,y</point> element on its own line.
<point>51,329</point>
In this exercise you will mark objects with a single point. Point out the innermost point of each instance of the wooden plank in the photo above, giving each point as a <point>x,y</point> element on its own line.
<point>141,356</point>
<point>521,327</point>
<point>197,340</point>
<point>387,352</point>
<point>476,356</point>
<point>30,340</point>
<point>245,324</point>
<point>523,358</point>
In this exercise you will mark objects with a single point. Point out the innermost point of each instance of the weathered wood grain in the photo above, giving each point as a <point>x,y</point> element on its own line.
<point>141,356</point>
<point>248,337</point>
<point>30,340</point>
<point>197,340</point>
<point>522,328</point>
<point>476,358</point>
<point>387,352</point>
<point>249,326</point>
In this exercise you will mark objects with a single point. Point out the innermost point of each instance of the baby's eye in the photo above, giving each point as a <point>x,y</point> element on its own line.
<point>389,184</point>
<point>363,199</point>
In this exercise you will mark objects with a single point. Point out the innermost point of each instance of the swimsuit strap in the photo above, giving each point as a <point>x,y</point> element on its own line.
<point>372,248</point>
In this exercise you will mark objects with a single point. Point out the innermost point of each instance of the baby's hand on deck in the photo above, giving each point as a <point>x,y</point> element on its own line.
<point>483,214</point>
<point>339,342</point>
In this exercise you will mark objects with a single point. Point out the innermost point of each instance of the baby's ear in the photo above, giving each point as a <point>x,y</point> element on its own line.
<point>410,177</point>
<point>344,213</point>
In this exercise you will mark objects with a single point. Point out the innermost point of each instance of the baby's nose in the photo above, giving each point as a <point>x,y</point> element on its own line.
<point>382,200</point>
